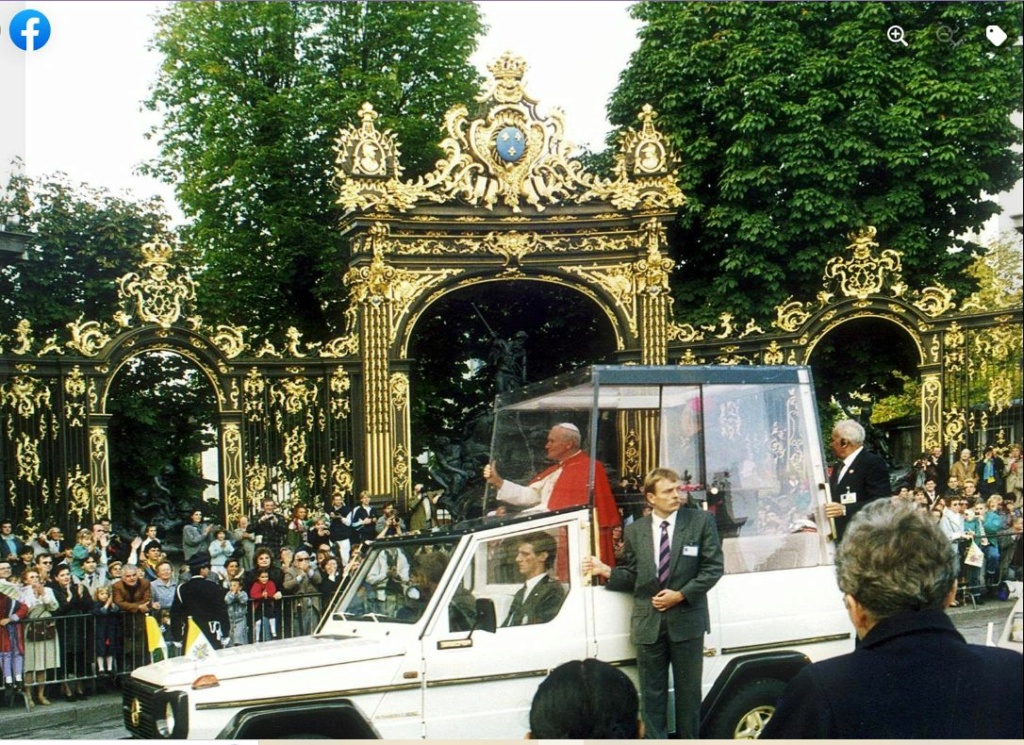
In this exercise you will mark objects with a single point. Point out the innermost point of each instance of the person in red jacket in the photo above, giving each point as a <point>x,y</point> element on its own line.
<point>564,485</point>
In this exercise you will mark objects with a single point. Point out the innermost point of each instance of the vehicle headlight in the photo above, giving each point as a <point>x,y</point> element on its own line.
<point>165,724</point>
<point>171,715</point>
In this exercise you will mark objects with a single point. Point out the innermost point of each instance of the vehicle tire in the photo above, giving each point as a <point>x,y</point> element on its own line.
<point>747,711</point>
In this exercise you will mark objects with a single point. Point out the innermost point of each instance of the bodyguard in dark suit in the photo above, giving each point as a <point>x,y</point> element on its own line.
<point>858,478</point>
<point>541,596</point>
<point>672,558</point>
<point>898,573</point>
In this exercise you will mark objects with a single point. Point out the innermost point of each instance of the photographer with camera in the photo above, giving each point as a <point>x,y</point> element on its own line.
<point>389,523</point>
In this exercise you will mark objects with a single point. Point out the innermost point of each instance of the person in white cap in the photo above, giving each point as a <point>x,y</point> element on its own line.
<point>564,484</point>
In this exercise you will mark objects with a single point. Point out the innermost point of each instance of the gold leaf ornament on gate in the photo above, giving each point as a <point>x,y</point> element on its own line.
<point>158,297</point>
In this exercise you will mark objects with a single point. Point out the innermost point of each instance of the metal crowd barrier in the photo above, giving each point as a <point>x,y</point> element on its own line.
<point>61,649</point>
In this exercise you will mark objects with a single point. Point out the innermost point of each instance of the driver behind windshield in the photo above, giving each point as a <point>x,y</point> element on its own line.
<point>425,576</point>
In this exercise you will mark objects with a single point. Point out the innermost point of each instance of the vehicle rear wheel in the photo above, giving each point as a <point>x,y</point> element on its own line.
<point>748,710</point>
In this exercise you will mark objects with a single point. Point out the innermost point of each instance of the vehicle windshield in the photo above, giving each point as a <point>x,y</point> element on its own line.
<point>394,581</point>
<point>744,442</point>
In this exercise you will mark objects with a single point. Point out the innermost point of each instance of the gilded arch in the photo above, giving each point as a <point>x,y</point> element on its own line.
<point>283,415</point>
<point>507,203</point>
<point>598,296</point>
<point>970,356</point>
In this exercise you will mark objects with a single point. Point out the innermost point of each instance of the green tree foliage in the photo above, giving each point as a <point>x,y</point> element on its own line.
<point>162,408</point>
<point>455,367</point>
<point>253,95</point>
<point>798,122</point>
<point>83,239</point>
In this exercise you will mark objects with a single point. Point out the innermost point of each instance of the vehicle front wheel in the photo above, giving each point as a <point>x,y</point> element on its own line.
<point>747,712</point>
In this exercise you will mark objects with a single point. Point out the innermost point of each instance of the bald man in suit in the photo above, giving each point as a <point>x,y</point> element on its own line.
<point>672,558</point>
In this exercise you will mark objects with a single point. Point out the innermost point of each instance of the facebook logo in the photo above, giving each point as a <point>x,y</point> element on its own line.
<point>30,30</point>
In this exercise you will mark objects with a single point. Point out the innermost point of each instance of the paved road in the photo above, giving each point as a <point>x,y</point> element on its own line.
<point>104,720</point>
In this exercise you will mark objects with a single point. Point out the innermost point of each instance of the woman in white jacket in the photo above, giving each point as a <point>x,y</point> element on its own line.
<point>42,649</point>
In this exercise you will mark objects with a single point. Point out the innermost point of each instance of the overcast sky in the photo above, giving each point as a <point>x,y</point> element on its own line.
<point>84,89</point>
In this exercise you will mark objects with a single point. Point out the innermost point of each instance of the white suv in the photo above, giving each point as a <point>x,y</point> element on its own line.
<point>426,655</point>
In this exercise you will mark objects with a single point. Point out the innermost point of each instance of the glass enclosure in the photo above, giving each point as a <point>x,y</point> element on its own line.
<point>745,441</point>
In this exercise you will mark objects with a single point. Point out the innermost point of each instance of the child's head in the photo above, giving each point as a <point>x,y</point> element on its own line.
<point>221,535</point>
<point>263,576</point>
<point>235,585</point>
<point>102,594</point>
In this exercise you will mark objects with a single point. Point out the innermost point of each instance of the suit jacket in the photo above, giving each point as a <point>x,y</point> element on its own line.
<point>697,564</point>
<point>867,477</point>
<point>876,691</point>
<point>540,606</point>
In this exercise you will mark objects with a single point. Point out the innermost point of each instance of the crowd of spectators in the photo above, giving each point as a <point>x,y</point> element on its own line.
<point>977,503</point>
<point>74,611</point>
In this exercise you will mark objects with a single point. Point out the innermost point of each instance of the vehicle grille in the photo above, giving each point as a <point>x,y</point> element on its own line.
<point>137,706</point>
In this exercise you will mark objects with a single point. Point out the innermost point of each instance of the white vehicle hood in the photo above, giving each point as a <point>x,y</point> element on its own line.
<point>248,660</point>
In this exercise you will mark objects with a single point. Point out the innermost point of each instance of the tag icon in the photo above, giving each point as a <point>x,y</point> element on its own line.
<point>995,35</point>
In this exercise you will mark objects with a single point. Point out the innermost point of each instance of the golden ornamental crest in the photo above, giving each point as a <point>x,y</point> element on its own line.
<point>509,156</point>
<point>864,273</point>
<point>157,298</point>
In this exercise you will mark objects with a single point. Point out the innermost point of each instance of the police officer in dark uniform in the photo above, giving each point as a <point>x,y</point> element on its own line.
<point>203,600</point>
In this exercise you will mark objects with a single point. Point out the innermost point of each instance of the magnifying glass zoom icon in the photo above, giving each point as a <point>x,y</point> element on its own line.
<point>896,35</point>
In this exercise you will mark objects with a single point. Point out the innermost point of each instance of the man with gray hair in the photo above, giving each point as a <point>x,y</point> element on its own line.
<point>858,478</point>
<point>564,484</point>
<point>898,573</point>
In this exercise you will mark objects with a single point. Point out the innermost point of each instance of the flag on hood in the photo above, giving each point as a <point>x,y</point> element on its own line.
<point>155,640</point>
<point>197,646</point>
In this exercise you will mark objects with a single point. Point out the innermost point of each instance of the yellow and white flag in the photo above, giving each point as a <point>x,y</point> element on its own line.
<point>197,646</point>
<point>155,640</point>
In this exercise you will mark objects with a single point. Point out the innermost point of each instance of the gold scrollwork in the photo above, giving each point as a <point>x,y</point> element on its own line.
<point>931,411</point>
<point>652,272</point>
<point>231,457</point>
<point>74,404</point>
<point>790,315</point>
<point>342,479</point>
<point>645,170</point>
<point>617,282</point>
<point>864,274</point>
<point>79,493</point>
<point>935,301</point>
<point>26,395</point>
<point>157,298</point>
<point>27,457</point>
<point>399,386</point>
<point>253,387</point>
<point>294,450</point>
<point>23,335</point>
<point>400,469</point>
<point>229,339</point>
<point>339,386</point>
<point>99,469</point>
<point>87,337</point>
<point>379,283</point>
<point>773,354</point>
<point>293,395</point>
<point>510,156</point>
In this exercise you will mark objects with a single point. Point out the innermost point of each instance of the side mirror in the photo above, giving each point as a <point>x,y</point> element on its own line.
<point>486,616</point>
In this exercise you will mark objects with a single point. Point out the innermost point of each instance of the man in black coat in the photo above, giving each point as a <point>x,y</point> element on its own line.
<point>898,573</point>
<point>203,601</point>
<point>672,558</point>
<point>541,596</point>
<point>858,478</point>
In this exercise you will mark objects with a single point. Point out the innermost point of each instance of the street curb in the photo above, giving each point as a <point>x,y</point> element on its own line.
<point>44,722</point>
